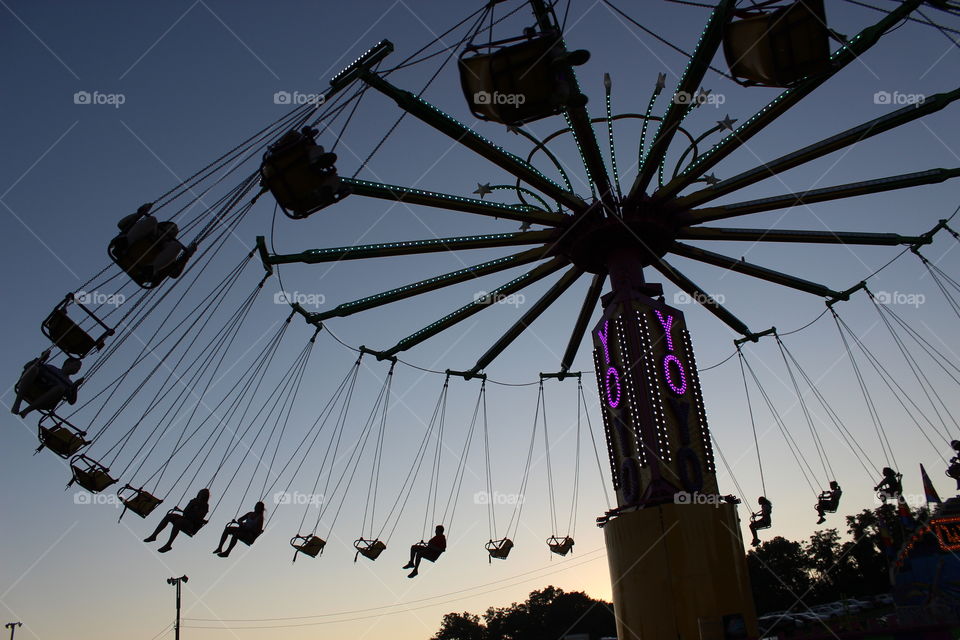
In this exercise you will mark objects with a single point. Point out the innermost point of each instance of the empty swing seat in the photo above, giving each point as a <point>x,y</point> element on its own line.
<point>189,527</point>
<point>90,474</point>
<point>518,83</point>
<point>368,548</point>
<point>311,545</point>
<point>560,546</point>
<point>779,47</point>
<point>499,549</point>
<point>59,436</point>
<point>301,175</point>
<point>68,335</point>
<point>140,501</point>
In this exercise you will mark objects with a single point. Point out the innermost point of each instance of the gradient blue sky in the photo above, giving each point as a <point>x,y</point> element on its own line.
<point>198,77</point>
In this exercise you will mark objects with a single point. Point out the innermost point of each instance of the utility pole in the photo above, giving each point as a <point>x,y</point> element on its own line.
<point>13,627</point>
<point>176,582</point>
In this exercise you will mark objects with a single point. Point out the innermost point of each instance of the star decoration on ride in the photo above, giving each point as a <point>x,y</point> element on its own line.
<point>661,81</point>
<point>726,123</point>
<point>483,189</point>
<point>711,179</point>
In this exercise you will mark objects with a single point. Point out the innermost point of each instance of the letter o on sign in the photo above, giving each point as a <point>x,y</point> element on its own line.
<point>615,375</point>
<point>671,377</point>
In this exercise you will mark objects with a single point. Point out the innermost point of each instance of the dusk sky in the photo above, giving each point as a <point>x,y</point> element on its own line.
<point>108,105</point>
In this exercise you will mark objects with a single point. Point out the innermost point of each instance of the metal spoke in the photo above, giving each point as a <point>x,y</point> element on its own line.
<point>455,203</point>
<point>850,190</point>
<point>799,235</point>
<point>819,149</point>
<point>430,284</point>
<point>696,293</point>
<point>411,247</point>
<point>431,115</point>
<point>683,98</point>
<point>476,306</point>
<point>528,318</point>
<point>756,123</point>
<point>744,267</point>
<point>580,328</point>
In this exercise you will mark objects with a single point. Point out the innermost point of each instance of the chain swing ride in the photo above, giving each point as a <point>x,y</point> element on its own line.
<point>185,432</point>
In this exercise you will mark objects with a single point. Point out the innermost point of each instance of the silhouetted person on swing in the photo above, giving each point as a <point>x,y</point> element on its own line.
<point>430,550</point>
<point>890,486</point>
<point>761,519</point>
<point>192,518</point>
<point>247,528</point>
<point>44,385</point>
<point>954,469</point>
<point>149,250</point>
<point>828,501</point>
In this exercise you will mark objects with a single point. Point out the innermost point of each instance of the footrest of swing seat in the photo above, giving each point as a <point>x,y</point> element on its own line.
<point>560,546</point>
<point>369,548</point>
<point>310,545</point>
<point>61,437</point>
<point>139,501</point>
<point>499,549</point>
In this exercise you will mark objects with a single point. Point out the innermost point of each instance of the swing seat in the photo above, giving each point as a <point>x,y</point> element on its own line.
<point>137,258</point>
<point>953,471</point>
<point>560,546</point>
<point>368,548</point>
<point>59,436</point>
<point>248,536</point>
<point>140,501</point>
<point>301,175</point>
<point>90,474</point>
<point>522,82</point>
<point>189,527</point>
<point>429,553</point>
<point>779,47</point>
<point>44,381</point>
<point>758,518</point>
<point>68,335</point>
<point>311,545</point>
<point>499,549</point>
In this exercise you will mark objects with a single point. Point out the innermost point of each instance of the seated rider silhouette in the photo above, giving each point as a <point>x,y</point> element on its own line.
<point>761,519</point>
<point>828,500</point>
<point>954,469</point>
<point>44,385</point>
<point>191,519</point>
<point>430,550</point>
<point>890,486</point>
<point>149,250</point>
<point>248,527</point>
